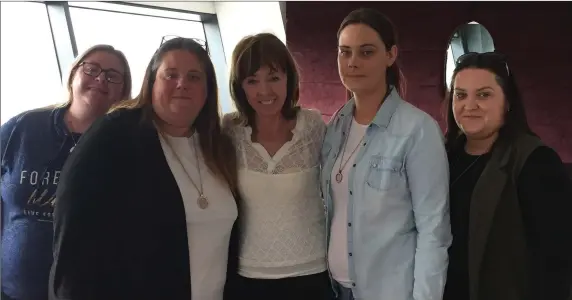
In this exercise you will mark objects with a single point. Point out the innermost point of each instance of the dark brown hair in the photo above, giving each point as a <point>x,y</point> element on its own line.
<point>386,31</point>
<point>126,92</point>
<point>249,55</point>
<point>515,121</point>
<point>216,147</point>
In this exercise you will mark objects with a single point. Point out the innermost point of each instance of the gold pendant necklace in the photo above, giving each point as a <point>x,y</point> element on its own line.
<point>202,200</point>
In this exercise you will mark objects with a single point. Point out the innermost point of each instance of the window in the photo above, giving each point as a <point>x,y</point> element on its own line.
<point>135,34</point>
<point>30,74</point>
<point>470,37</point>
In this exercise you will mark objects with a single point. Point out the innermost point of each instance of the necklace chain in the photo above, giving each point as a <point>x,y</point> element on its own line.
<point>74,142</point>
<point>339,176</point>
<point>464,171</point>
<point>202,201</point>
<point>69,131</point>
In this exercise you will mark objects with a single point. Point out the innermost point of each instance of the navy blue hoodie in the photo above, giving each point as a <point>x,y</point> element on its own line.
<point>35,145</point>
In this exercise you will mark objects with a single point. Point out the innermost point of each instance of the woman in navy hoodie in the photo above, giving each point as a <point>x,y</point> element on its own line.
<point>34,146</point>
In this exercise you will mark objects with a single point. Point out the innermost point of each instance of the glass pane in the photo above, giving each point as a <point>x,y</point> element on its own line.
<point>450,67</point>
<point>137,10</point>
<point>136,35</point>
<point>27,52</point>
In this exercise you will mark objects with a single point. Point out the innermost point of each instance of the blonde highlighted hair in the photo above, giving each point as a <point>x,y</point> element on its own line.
<point>126,92</point>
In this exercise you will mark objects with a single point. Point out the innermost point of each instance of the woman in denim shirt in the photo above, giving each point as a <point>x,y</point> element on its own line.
<point>384,177</point>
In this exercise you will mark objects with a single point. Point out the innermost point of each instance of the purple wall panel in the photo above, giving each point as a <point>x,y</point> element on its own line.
<point>536,36</point>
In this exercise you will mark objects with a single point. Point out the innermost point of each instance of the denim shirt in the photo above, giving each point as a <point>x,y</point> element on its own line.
<point>398,210</point>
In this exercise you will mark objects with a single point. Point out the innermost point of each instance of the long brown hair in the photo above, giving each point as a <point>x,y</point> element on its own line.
<point>216,147</point>
<point>249,55</point>
<point>125,93</point>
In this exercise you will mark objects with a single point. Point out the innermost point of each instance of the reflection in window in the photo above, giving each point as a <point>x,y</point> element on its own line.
<point>30,74</point>
<point>137,36</point>
<point>450,66</point>
<point>471,37</point>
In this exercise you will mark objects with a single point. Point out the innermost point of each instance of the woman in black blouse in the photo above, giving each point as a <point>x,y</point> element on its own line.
<point>510,194</point>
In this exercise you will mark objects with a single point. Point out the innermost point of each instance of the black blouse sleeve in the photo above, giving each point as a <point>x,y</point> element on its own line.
<point>86,236</point>
<point>545,195</point>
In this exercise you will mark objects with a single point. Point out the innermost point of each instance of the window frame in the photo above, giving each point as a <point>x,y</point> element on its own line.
<point>65,45</point>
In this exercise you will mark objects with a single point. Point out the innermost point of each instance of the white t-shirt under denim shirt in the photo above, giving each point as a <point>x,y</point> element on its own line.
<point>338,246</point>
<point>283,233</point>
<point>208,229</point>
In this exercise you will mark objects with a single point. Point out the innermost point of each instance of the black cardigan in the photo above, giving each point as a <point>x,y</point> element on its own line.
<point>120,227</point>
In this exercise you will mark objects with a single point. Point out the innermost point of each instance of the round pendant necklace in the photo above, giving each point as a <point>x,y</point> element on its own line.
<point>202,200</point>
<point>339,176</point>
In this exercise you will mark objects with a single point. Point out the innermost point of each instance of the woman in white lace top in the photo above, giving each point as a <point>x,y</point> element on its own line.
<point>278,145</point>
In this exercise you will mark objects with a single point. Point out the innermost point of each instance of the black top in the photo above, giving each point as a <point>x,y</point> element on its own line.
<point>465,170</point>
<point>545,197</point>
<point>120,226</point>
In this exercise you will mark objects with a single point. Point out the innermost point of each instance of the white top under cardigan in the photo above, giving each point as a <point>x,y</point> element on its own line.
<point>283,233</point>
<point>209,229</point>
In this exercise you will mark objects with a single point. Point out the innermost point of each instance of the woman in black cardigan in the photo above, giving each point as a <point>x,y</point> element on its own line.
<point>145,205</point>
<point>509,193</point>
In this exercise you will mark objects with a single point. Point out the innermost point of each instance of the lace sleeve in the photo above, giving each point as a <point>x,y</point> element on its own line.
<point>320,125</point>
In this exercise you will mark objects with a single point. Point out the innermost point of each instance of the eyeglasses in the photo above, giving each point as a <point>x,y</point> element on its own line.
<point>93,70</point>
<point>170,37</point>
<point>490,56</point>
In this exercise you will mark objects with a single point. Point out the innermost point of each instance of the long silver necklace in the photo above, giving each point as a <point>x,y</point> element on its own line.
<point>339,175</point>
<point>202,200</point>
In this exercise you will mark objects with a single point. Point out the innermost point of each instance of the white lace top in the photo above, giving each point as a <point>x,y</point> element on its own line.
<point>283,233</point>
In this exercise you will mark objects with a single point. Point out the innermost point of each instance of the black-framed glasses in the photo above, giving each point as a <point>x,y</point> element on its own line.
<point>170,37</point>
<point>495,56</point>
<point>93,70</point>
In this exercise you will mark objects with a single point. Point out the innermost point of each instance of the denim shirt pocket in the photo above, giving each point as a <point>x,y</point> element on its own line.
<point>384,173</point>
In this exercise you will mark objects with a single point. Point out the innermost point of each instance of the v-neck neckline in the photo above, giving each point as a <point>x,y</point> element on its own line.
<point>273,160</point>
